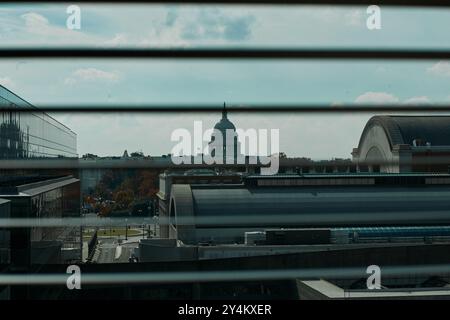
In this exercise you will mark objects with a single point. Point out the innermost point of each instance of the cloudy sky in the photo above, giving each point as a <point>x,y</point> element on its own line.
<point>134,82</point>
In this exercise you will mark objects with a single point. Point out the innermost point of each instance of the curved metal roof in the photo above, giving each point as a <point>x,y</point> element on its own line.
<point>316,205</point>
<point>246,201</point>
<point>404,129</point>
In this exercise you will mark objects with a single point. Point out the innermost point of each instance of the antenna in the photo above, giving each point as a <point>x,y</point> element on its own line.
<point>224,111</point>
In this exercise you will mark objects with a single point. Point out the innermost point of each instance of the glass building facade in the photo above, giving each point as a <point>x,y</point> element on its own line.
<point>32,134</point>
<point>43,198</point>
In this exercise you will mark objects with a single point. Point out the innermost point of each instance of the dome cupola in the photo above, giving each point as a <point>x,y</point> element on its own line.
<point>224,123</point>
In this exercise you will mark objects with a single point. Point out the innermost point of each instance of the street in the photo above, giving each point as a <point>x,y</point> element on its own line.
<point>110,251</point>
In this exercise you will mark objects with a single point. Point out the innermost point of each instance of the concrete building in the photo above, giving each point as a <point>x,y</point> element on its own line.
<point>405,144</point>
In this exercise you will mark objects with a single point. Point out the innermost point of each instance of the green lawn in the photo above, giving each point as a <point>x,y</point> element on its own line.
<point>113,232</point>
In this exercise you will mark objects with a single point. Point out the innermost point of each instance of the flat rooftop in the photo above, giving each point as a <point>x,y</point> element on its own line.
<point>335,179</point>
<point>326,290</point>
<point>29,186</point>
<point>8,181</point>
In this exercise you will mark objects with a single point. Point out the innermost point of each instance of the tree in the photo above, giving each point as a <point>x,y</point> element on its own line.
<point>89,156</point>
<point>127,185</point>
<point>104,210</point>
<point>137,154</point>
<point>102,191</point>
<point>147,184</point>
<point>123,199</point>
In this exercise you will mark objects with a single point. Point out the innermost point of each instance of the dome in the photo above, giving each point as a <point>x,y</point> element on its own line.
<point>224,123</point>
<point>229,146</point>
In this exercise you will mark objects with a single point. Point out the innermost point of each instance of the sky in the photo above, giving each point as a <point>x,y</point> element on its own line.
<point>45,82</point>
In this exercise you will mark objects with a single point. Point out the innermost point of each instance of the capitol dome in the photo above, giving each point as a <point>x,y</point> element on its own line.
<point>229,149</point>
<point>224,123</point>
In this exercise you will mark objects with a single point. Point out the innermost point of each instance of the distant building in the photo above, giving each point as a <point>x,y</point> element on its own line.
<point>90,178</point>
<point>405,144</point>
<point>224,140</point>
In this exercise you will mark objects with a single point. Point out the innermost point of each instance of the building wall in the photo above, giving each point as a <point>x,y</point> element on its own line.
<point>32,134</point>
<point>61,201</point>
<point>376,148</point>
<point>90,178</point>
<point>165,184</point>
<point>5,211</point>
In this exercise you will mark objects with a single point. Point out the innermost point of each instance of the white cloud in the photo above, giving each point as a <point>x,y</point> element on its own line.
<point>118,40</point>
<point>7,82</point>
<point>70,81</point>
<point>342,16</point>
<point>169,37</point>
<point>42,31</point>
<point>91,75</point>
<point>37,24</point>
<point>441,68</point>
<point>418,100</point>
<point>188,26</point>
<point>377,98</point>
<point>354,18</point>
<point>35,21</point>
<point>384,97</point>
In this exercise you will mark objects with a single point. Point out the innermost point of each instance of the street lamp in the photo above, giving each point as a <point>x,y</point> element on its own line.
<point>126,229</point>
<point>155,221</point>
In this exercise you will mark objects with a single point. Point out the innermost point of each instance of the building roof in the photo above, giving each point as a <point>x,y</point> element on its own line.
<point>16,180</point>
<point>31,187</point>
<point>45,186</point>
<point>315,205</point>
<point>224,123</point>
<point>434,130</point>
<point>325,289</point>
<point>13,98</point>
<point>237,200</point>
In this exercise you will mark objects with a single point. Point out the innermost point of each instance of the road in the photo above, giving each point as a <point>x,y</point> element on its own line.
<point>110,251</point>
